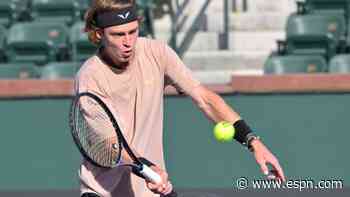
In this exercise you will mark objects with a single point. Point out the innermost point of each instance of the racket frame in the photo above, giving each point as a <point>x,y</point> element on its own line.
<point>142,168</point>
<point>121,139</point>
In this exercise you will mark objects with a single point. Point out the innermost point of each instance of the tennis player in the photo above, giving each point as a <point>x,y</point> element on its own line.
<point>130,73</point>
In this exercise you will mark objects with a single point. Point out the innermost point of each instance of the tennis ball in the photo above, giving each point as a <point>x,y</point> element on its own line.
<point>224,131</point>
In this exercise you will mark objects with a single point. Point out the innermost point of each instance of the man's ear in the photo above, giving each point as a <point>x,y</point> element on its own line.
<point>99,34</point>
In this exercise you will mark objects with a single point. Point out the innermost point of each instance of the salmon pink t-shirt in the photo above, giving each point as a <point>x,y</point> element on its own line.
<point>136,98</point>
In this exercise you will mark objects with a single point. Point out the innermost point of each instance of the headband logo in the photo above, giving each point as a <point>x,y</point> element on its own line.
<point>125,16</point>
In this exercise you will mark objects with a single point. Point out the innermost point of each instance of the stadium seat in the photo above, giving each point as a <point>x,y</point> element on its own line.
<point>325,6</point>
<point>2,43</point>
<point>36,42</point>
<point>348,36</point>
<point>13,10</point>
<point>277,64</point>
<point>340,64</point>
<point>320,34</point>
<point>60,70</point>
<point>145,10</point>
<point>80,45</point>
<point>19,71</point>
<point>66,11</point>
<point>21,10</point>
<point>83,6</point>
<point>6,12</point>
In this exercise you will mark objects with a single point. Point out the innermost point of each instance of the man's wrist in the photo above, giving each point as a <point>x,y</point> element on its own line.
<point>244,134</point>
<point>242,131</point>
<point>254,143</point>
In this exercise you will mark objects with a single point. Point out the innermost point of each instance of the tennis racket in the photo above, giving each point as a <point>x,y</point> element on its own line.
<point>99,138</point>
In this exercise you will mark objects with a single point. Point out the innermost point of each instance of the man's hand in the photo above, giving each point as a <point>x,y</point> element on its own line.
<point>263,157</point>
<point>163,188</point>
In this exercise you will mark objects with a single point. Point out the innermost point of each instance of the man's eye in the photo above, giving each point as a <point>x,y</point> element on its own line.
<point>117,34</point>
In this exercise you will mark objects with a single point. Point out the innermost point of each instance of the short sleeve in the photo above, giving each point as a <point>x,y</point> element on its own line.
<point>177,72</point>
<point>86,82</point>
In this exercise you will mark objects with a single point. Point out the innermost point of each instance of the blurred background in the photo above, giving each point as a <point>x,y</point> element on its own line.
<point>283,65</point>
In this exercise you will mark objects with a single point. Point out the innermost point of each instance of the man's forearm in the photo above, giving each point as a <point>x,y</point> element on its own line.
<point>220,111</point>
<point>216,108</point>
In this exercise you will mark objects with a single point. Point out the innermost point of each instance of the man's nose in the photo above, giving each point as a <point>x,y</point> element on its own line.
<point>127,40</point>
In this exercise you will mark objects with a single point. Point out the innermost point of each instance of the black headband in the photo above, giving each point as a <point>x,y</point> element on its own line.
<point>119,17</point>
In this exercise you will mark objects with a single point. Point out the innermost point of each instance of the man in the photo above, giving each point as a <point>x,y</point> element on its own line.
<point>129,74</point>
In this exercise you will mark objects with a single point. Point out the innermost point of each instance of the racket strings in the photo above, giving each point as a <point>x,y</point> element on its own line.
<point>96,134</point>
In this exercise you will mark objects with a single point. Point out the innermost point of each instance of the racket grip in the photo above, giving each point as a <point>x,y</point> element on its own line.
<point>150,174</point>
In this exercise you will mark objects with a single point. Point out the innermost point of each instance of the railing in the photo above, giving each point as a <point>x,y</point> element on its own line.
<point>178,24</point>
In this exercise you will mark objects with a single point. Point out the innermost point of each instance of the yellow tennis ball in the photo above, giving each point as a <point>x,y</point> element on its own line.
<point>224,131</point>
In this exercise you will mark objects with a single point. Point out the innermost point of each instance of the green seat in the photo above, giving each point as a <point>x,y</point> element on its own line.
<point>328,5</point>
<point>12,11</point>
<point>36,42</point>
<point>2,43</point>
<point>60,70</point>
<point>83,6</point>
<point>19,71</point>
<point>340,64</point>
<point>276,64</point>
<point>6,12</point>
<point>348,36</point>
<point>320,34</point>
<point>80,45</point>
<point>145,10</point>
<point>65,11</point>
<point>21,10</point>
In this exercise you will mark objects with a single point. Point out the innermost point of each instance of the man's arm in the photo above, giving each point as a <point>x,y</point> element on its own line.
<point>213,106</point>
<point>216,109</point>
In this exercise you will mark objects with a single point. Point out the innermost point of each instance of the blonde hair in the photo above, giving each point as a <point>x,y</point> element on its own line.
<point>100,6</point>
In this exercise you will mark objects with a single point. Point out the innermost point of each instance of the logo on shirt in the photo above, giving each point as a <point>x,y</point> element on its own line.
<point>125,16</point>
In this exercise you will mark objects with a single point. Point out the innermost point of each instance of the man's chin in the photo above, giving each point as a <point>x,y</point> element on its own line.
<point>124,63</point>
<point>126,59</point>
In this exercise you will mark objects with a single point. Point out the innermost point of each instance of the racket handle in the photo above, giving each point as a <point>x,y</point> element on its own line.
<point>150,174</point>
